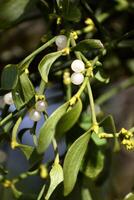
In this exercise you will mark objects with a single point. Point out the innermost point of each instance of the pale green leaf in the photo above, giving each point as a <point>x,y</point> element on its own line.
<point>88,45</point>
<point>73,161</point>
<point>9,77</point>
<point>56,177</point>
<point>27,150</point>
<point>69,119</point>
<point>46,63</point>
<point>48,129</point>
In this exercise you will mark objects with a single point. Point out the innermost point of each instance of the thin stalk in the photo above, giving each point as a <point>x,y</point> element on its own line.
<point>44,46</point>
<point>55,146</point>
<point>73,43</point>
<point>92,106</point>
<point>41,87</point>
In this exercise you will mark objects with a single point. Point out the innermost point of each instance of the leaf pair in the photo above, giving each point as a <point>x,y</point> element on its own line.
<point>23,92</point>
<point>58,123</point>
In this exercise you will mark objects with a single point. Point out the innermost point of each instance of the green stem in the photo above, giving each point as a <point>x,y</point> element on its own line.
<point>41,87</point>
<point>123,85</point>
<point>55,146</point>
<point>38,51</point>
<point>73,43</point>
<point>25,175</point>
<point>91,103</point>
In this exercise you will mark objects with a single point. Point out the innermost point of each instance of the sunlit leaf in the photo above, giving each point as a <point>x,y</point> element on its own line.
<point>56,177</point>
<point>27,150</point>
<point>46,63</point>
<point>69,119</point>
<point>129,196</point>
<point>73,161</point>
<point>88,44</point>
<point>48,129</point>
<point>93,162</point>
<point>101,76</point>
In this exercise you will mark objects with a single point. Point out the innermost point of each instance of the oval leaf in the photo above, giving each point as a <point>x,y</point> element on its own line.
<point>73,161</point>
<point>47,131</point>
<point>101,76</point>
<point>56,177</point>
<point>71,12</point>
<point>9,77</point>
<point>69,119</point>
<point>11,10</point>
<point>93,162</point>
<point>23,92</point>
<point>27,87</point>
<point>46,63</point>
<point>27,150</point>
<point>88,44</point>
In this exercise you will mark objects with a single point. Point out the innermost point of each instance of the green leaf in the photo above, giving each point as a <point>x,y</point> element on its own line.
<point>56,177</point>
<point>46,63</point>
<point>18,97</point>
<point>69,119</point>
<point>15,129</point>
<point>71,11</point>
<point>9,77</point>
<point>129,196</point>
<point>88,45</point>
<point>27,150</point>
<point>11,10</point>
<point>101,76</point>
<point>98,141</point>
<point>48,129</point>
<point>23,92</point>
<point>73,161</point>
<point>27,87</point>
<point>93,162</point>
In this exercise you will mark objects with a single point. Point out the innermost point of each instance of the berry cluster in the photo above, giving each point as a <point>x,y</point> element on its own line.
<point>78,67</point>
<point>35,113</point>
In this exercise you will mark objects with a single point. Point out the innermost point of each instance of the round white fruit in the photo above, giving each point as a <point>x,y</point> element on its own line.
<point>77,78</point>
<point>61,41</point>
<point>8,99</point>
<point>78,66</point>
<point>40,106</point>
<point>34,115</point>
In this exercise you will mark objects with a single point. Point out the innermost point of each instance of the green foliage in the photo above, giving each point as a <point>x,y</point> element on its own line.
<point>69,119</point>
<point>104,43</point>
<point>56,177</point>
<point>9,77</point>
<point>11,11</point>
<point>46,63</point>
<point>73,161</point>
<point>47,131</point>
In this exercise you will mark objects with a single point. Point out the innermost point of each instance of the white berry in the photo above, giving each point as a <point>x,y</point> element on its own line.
<point>34,115</point>
<point>40,106</point>
<point>8,99</point>
<point>77,78</point>
<point>61,41</point>
<point>77,66</point>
